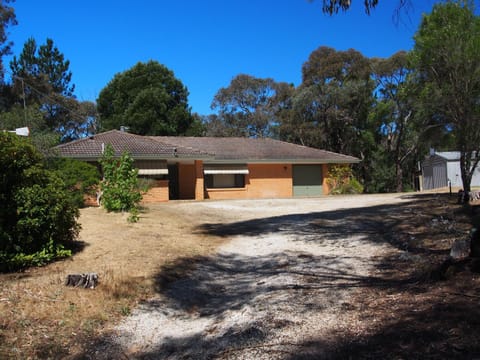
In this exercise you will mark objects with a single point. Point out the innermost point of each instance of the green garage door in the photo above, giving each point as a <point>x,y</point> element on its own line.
<point>307,180</point>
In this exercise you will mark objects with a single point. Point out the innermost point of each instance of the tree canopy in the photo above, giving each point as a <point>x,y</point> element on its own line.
<point>41,95</point>
<point>447,60</point>
<point>148,99</point>
<point>7,18</point>
<point>332,102</point>
<point>249,105</point>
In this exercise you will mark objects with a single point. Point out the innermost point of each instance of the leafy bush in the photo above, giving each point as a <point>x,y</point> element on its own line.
<point>79,177</point>
<point>120,190</point>
<point>36,217</point>
<point>145,184</point>
<point>341,180</point>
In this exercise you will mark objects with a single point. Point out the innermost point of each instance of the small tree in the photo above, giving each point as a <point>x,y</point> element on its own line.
<point>120,191</point>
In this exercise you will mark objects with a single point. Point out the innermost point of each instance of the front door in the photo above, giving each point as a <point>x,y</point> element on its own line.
<point>173,188</point>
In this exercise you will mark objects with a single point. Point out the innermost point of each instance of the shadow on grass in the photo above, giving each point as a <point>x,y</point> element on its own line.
<point>76,246</point>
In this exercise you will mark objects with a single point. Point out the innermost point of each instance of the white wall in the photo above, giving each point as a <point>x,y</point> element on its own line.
<point>455,175</point>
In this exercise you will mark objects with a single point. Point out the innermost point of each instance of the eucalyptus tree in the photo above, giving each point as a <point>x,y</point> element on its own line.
<point>446,56</point>
<point>330,108</point>
<point>400,128</point>
<point>249,106</point>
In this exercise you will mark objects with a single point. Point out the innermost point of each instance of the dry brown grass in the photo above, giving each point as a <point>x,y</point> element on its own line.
<point>41,318</point>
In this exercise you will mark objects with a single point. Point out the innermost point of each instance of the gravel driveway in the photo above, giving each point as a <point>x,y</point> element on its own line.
<point>279,283</point>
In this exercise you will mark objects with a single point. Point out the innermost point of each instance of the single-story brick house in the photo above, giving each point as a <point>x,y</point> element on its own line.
<point>216,168</point>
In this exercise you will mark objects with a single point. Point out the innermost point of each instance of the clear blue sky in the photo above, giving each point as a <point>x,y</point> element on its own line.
<point>206,43</point>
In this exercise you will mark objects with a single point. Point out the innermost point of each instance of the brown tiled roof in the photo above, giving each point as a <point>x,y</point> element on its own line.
<point>231,149</point>
<point>260,150</point>
<point>137,146</point>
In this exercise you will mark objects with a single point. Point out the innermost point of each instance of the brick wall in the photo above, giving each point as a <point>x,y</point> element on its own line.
<point>325,186</point>
<point>90,200</point>
<point>263,181</point>
<point>158,193</point>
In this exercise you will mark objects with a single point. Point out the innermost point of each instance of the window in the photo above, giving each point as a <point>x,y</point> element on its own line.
<point>225,176</point>
<point>222,181</point>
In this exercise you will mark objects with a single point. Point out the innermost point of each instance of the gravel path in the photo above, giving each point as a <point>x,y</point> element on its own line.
<point>278,285</point>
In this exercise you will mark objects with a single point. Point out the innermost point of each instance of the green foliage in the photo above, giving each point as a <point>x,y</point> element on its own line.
<point>341,181</point>
<point>36,217</point>
<point>249,105</point>
<point>120,190</point>
<point>7,18</point>
<point>43,67</point>
<point>48,254</point>
<point>381,177</point>
<point>330,108</point>
<point>148,99</point>
<point>333,6</point>
<point>80,178</point>
<point>447,60</point>
<point>41,81</point>
<point>134,215</point>
<point>144,183</point>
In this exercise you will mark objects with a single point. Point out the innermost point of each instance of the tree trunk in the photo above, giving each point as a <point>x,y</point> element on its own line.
<point>465,170</point>
<point>399,176</point>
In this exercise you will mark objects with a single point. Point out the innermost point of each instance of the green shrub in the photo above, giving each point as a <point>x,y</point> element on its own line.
<point>120,190</point>
<point>145,184</point>
<point>79,177</point>
<point>341,181</point>
<point>37,217</point>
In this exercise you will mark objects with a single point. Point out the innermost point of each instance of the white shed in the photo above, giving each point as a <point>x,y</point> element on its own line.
<point>441,167</point>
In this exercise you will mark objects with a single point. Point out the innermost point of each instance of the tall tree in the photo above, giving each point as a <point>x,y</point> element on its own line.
<point>81,120</point>
<point>45,68</point>
<point>41,77</point>
<point>7,18</point>
<point>447,57</point>
<point>400,127</point>
<point>249,106</point>
<point>147,98</point>
<point>331,106</point>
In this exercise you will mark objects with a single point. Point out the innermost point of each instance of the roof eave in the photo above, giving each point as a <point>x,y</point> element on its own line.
<point>290,161</point>
<point>139,157</point>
